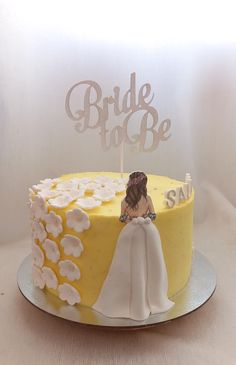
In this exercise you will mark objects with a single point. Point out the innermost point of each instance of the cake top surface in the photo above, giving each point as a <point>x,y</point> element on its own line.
<point>101,193</point>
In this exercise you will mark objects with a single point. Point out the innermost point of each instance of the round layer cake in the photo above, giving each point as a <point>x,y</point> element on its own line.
<point>75,227</point>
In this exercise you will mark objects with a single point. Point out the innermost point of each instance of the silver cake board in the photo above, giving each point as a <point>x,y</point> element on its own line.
<point>200,287</point>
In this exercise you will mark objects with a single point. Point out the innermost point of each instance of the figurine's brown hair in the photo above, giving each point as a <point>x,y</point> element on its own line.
<point>136,188</point>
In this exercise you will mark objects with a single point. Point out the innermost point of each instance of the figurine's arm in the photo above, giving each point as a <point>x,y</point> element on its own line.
<point>123,214</point>
<point>152,215</point>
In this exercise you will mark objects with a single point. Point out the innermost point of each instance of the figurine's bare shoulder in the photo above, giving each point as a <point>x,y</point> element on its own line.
<point>123,203</point>
<point>124,206</point>
<point>150,204</point>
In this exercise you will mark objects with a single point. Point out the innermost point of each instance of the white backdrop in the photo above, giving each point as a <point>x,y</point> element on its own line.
<point>194,82</point>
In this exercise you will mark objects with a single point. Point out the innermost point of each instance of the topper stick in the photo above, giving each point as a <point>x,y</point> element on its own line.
<point>122,159</point>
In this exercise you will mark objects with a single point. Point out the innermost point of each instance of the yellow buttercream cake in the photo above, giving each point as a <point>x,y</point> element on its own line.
<point>75,227</point>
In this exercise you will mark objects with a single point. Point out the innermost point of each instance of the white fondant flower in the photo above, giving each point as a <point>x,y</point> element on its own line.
<point>37,277</point>
<point>69,270</point>
<point>84,180</point>
<point>103,180</point>
<point>88,203</point>
<point>75,193</point>
<point>75,180</point>
<point>53,224</point>
<point>38,231</point>
<point>104,194</point>
<point>51,250</point>
<point>117,188</point>
<point>78,220</point>
<point>141,220</point>
<point>69,293</point>
<point>72,245</point>
<point>32,218</point>
<point>121,180</point>
<point>37,255</point>
<point>48,194</point>
<point>90,187</point>
<point>49,277</point>
<point>67,185</point>
<point>61,201</point>
<point>38,207</point>
<point>31,194</point>
<point>42,186</point>
<point>50,181</point>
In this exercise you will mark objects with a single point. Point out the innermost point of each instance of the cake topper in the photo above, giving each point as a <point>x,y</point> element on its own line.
<point>140,287</point>
<point>133,107</point>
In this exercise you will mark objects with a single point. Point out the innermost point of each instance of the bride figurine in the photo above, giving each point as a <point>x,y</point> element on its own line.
<point>136,284</point>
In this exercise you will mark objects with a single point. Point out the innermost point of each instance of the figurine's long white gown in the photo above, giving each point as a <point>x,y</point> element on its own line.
<point>136,284</point>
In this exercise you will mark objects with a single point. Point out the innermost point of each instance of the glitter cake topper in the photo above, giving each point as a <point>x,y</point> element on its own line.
<point>134,106</point>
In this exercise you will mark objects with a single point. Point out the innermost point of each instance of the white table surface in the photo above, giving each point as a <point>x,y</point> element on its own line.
<point>207,336</point>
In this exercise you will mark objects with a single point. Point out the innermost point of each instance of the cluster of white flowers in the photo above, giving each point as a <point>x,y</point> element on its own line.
<point>87,194</point>
<point>57,193</point>
<point>60,194</point>
<point>44,276</point>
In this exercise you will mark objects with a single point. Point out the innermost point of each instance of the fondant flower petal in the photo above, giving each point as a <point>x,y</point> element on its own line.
<point>61,201</point>
<point>103,179</point>
<point>48,194</point>
<point>50,181</point>
<point>67,185</point>
<point>75,193</point>
<point>117,188</point>
<point>88,203</point>
<point>84,180</point>
<point>121,180</point>
<point>90,187</point>
<point>42,186</point>
<point>104,194</point>
<point>31,194</point>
